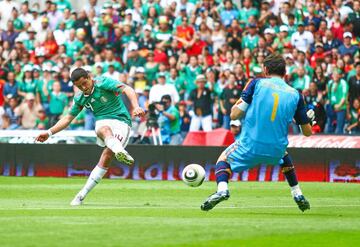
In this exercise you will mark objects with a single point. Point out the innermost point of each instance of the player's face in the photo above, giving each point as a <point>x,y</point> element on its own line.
<point>85,84</point>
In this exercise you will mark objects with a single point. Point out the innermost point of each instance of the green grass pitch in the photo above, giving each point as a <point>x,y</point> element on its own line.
<point>36,212</point>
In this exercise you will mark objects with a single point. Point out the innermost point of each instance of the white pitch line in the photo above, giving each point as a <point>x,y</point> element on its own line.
<point>165,207</point>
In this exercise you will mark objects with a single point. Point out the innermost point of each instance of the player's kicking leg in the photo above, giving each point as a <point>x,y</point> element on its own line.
<point>115,145</point>
<point>289,172</point>
<point>95,176</point>
<point>222,172</point>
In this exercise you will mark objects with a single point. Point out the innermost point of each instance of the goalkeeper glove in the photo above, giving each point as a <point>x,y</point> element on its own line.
<point>311,116</point>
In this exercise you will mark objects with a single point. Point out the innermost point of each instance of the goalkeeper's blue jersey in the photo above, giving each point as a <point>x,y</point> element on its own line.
<point>273,105</point>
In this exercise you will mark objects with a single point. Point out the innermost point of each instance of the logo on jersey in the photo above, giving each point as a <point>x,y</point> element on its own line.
<point>103,99</point>
<point>92,100</point>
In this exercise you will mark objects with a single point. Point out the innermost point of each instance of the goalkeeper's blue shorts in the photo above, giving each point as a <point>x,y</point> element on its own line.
<point>240,159</point>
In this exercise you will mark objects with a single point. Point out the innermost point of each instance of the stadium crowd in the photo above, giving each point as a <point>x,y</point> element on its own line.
<point>189,59</point>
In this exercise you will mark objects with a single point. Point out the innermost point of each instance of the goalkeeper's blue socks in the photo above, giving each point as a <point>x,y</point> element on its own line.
<point>222,172</point>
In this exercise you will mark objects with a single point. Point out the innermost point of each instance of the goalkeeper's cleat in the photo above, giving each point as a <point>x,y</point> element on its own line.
<point>214,199</point>
<point>124,157</point>
<point>78,200</point>
<point>302,203</point>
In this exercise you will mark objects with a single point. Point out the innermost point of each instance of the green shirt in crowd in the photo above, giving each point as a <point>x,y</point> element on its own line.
<point>57,103</point>
<point>63,4</point>
<point>190,74</point>
<point>338,92</point>
<point>250,42</point>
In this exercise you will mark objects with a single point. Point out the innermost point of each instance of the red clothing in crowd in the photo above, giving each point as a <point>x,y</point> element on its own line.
<point>337,32</point>
<point>160,56</point>
<point>184,32</point>
<point>315,57</point>
<point>197,48</point>
<point>51,48</point>
<point>2,84</point>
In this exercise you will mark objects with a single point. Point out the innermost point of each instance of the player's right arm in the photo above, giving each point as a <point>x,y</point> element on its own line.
<point>62,123</point>
<point>59,126</point>
<point>239,109</point>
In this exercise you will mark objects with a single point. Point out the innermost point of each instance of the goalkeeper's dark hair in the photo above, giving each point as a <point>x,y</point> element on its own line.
<point>78,73</point>
<point>275,64</point>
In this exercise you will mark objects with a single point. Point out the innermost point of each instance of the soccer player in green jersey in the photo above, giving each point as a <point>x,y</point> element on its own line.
<point>113,121</point>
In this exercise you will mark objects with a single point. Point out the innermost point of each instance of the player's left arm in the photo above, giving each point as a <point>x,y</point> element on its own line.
<point>239,109</point>
<point>136,109</point>
<point>304,118</point>
<point>119,87</point>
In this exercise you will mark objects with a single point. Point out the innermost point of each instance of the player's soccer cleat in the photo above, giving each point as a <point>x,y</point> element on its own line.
<point>302,203</point>
<point>77,201</point>
<point>124,157</point>
<point>214,199</point>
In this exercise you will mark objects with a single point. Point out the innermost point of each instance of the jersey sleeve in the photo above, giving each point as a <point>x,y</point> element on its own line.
<point>75,109</point>
<point>112,85</point>
<point>248,92</point>
<point>300,113</point>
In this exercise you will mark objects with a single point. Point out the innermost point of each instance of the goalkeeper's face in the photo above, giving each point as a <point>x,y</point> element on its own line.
<point>85,84</point>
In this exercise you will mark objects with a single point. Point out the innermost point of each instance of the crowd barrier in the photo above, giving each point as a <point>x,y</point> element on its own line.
<point>167,162</point>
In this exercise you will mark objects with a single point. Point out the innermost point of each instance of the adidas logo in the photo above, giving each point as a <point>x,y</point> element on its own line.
<point>92,100</point>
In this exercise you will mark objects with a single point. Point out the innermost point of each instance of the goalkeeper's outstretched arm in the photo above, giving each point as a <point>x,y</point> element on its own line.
<point>239,109</point>
<point>59,126</point>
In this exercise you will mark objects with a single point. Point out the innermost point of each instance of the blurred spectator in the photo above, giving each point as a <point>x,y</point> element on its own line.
<point>10,87</point>
<point>57,101</point>
<point>13,120</point>
<point>42,122</point>
<point>169,121</point>
<point>2,95</point>
<point>27,85</point>
<point>28,112</point>
<point>354,117</point>
<point>329,41</point>
<point>302,39</point>
<point>354,84</point>
<point>67,86</point>
<point>201,100</point>
<point>235,128</point>
<point>229,96</point>
<point>320,79</point>
<point>161,89</point>
<point>347,47</point>
<point>301,80</point>
<point>184,119</point>
<point>336,108</point>
<point>10,34</point>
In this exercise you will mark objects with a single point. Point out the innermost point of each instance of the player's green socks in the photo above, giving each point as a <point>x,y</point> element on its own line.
<point>95,176</point>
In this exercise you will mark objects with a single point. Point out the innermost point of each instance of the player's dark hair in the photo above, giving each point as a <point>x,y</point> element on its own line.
<point>78,73</point>
<point>275,64</point>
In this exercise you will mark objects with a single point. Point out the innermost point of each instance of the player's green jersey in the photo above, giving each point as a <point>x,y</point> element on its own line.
<point>104,101</point>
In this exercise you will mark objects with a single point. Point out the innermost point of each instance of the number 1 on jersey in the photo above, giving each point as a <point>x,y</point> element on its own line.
<point>275,106</point>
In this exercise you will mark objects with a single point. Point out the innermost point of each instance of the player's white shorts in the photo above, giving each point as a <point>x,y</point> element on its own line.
<point>120,130</point>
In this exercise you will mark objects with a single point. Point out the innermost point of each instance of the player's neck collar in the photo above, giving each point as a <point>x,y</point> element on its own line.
<point>92,90</point>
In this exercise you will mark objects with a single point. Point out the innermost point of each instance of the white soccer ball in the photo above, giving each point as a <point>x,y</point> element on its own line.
<point>193,175</point>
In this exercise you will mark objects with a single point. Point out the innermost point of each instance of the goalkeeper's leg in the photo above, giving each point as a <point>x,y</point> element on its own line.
<point>95,176</point>
<point>223,173</point>
<point>288,170</point>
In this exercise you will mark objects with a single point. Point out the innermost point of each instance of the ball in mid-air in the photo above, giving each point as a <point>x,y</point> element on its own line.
<point>193,175</point>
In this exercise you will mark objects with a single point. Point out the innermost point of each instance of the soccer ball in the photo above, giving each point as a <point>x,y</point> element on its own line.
<point>193,175</point>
